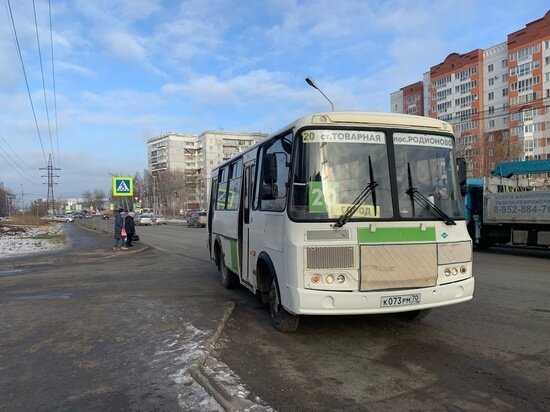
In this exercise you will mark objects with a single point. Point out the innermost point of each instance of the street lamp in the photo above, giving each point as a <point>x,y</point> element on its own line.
<point>154,190</point>
<point>312,84</point>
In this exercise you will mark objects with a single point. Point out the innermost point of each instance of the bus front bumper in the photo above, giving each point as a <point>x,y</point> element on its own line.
<point>322,302</point>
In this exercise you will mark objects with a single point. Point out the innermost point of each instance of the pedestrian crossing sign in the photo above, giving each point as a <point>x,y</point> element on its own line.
<point>123,186</point>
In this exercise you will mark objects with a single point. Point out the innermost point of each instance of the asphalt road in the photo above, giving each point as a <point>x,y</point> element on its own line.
<point>91,330</point>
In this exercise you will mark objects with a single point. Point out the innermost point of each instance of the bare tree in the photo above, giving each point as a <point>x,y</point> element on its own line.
<point>500,148</point>
<point>98,199</point>
<point>87,199</point>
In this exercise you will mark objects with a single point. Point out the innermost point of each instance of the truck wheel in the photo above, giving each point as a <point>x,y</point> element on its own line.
<point>414,315</point>
<point>280,318</point>
<point>229,279</point>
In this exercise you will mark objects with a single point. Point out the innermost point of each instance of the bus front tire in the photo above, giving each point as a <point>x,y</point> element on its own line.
<point>280,318</point>
<point>229,279</point>
<point>414,315</point>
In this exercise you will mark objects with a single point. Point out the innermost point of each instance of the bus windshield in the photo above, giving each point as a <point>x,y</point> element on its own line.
<point>425,164</point>
<point>333,167</point>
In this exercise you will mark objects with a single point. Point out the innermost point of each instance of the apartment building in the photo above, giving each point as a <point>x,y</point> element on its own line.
<point>497,99</point>
<point>194,157</point>
<point>409,100</point>
<point>218,146</point>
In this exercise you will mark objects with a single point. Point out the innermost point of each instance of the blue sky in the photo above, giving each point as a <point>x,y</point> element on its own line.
<point>128,70</point>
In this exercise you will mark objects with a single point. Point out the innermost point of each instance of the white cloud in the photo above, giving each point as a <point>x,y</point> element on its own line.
<point>123,45</point>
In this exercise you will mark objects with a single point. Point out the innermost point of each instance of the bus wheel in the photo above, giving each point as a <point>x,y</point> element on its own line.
<point>414,315</point>
<point>280,318</point>
<point>229,279</point>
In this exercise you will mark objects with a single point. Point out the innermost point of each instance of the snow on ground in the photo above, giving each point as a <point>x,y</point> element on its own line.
<point>24,240</point>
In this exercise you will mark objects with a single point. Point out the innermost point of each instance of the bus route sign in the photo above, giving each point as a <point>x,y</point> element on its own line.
<point>123,186</point>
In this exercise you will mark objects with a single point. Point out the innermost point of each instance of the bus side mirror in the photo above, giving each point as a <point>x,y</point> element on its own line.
<point>269,166</point>
<point>269,190</point>
<point>461,167</point>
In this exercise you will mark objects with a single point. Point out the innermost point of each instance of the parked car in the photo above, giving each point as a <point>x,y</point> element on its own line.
<point>160,220</point>
<point>61,218</point>
<point>197,219</point>
<point>145,220</point>
<point>105,216</point>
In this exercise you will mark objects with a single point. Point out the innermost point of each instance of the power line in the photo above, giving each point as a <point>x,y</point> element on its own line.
<point>54,91</point>
<point>42,72</point>
<point>13,164</point>
<point>14,153</point>
<point>26,80</point>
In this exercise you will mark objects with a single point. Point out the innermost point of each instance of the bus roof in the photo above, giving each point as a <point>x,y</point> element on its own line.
<point>354,118</point>
<point>398,120</point>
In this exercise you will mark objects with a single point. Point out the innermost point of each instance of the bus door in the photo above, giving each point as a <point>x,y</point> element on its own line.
<point>248,185</point>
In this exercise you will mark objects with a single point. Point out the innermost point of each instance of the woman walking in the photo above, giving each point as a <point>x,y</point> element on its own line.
<point>119,224</point>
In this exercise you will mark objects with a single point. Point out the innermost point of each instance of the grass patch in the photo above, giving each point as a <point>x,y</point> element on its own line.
<point>28,220</point>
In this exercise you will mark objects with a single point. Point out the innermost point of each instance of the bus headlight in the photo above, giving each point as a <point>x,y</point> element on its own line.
<point>454,271</point>
<point>315,279</point>
<point>340,279</point>
<point>447,272</point>
<point>329,279</point>
<point>463,270</point>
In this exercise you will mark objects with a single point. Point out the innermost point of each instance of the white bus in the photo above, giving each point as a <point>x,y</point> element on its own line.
<point>344,213</point>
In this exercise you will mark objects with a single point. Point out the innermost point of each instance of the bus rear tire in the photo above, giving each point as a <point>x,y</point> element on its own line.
<point>229,279</point>
<point>280,318</point>
<point>414,315</point>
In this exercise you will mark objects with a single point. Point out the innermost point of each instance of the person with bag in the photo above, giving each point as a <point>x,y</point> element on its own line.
<point>120,232</point>
<point>130,228</point>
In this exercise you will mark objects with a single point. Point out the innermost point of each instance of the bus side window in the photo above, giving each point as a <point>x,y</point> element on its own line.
<point>234,192</point>
<point>277,153</point>
<point>221,196</point>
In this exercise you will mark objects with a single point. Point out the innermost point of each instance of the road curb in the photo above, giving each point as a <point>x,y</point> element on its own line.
<point>196,369</point>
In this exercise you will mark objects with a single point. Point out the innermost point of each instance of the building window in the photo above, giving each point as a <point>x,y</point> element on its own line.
<point>490,68</point>
<point>504,63</point>
<point>491,81</point>
<point>491,96</point>
<point>491,109</point>
<point>505,92</point>
<point>491,123</point>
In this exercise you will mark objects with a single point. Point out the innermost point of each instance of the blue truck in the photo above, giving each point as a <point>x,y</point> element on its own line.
<point>507,208</point>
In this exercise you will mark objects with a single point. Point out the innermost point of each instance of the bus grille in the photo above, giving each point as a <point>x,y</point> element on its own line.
<point>398,266</point>
<point>323,234</point>
<point>342,257</point>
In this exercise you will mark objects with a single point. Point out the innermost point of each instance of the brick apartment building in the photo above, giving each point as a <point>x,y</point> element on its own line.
<point>497,99</point>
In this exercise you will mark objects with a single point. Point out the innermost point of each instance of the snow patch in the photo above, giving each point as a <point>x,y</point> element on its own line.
<point>25,240</point>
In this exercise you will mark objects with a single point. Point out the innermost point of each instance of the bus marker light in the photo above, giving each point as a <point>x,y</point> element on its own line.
<point>340,279</point>
<point>315,278</point>
<point>330,279</point>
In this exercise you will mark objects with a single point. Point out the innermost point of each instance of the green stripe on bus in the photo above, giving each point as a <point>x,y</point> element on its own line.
<point>234,257</point>
<point>396,234</point>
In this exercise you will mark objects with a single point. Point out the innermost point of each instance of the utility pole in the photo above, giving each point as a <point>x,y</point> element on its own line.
<point>50,176</point>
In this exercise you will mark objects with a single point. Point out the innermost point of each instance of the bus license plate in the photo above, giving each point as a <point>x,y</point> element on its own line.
<point>401,300</point>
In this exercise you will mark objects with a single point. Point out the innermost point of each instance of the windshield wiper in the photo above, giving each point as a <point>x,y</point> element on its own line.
<point>359,200</point>
<point>423,201</point>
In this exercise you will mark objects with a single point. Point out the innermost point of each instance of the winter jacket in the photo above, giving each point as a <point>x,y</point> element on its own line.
<point>118,225</point>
